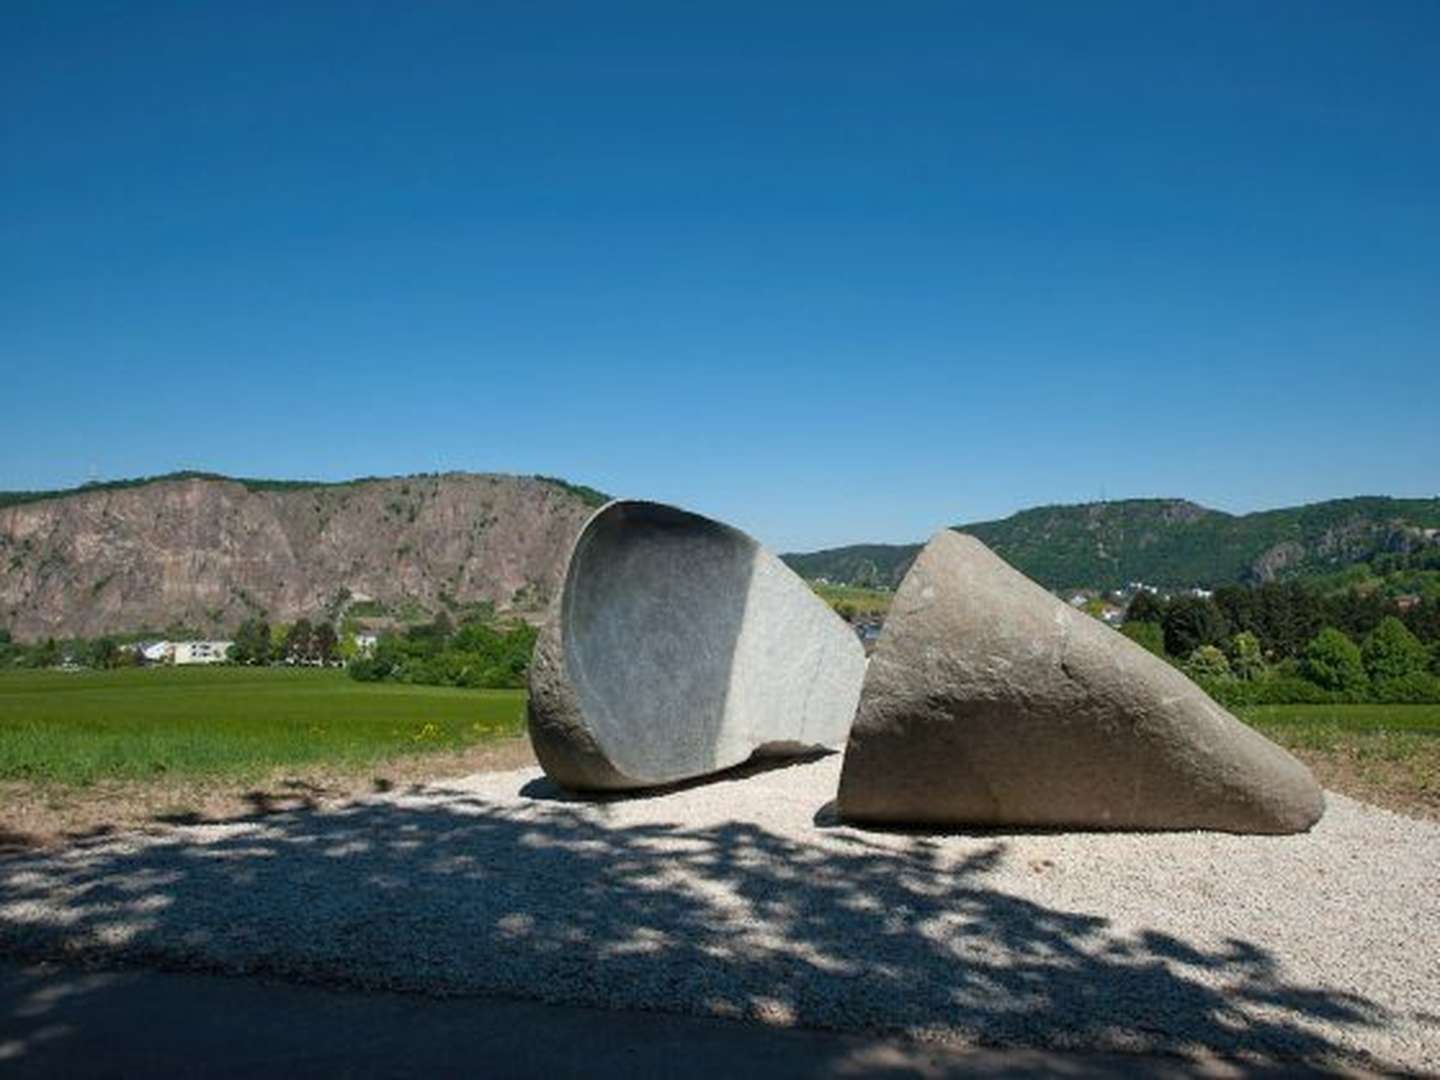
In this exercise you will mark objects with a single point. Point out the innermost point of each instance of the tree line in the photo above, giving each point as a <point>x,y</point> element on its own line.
<point>100,653</point>
<point>1286,643</point>
<point>479,653</point>
<point>301,642</point>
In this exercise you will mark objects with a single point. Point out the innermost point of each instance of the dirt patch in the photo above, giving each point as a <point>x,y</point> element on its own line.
<point>52,815</point>
<point>1409,785</point>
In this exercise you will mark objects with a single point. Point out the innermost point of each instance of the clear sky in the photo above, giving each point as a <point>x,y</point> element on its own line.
<point>832,272</point>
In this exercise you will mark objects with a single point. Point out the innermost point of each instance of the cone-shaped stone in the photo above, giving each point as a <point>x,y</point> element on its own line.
<point>988,702</point>
<point>680,647</point>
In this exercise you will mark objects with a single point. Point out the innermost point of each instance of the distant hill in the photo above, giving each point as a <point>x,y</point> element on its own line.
<point>1166,542</point>
<point>207,551</point>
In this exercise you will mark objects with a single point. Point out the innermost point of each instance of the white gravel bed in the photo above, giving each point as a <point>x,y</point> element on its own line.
<point>739,898</point>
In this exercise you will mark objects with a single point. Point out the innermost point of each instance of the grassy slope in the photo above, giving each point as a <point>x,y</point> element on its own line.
<point>82,727</point>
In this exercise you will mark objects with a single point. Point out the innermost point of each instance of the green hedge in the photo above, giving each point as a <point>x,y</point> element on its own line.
<point>1417,689</point>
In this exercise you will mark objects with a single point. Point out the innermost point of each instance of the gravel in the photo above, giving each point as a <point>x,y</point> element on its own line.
<point>742,898</point>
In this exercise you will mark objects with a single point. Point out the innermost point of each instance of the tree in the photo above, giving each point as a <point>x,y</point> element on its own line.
<point>1332,661</point>
<point>300,642</point>
<point>101,653</point>
<point>1241,607</point>
<point>1357,611</point>
<point>1192,621</point>
<point>1246,659</point>
<point>348,649</point>
<point>1286,618</point>
<point>1208,662</point>
<point>46,654</point>
<point>325,643</point>
<point>1423,620</point>
<point>1145,607</point>
<point>252,643</point>
<point>1147,635</point>
<point>1393,652</point>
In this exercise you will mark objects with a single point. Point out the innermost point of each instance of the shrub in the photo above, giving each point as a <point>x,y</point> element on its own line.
<point>1416,688</point>
<point>1246,660</point>
<point>1191,621</point>
<point>1332,662</point>
<point>1147,635</point>
<point>1393,652</point>
<point>1291,690</point>
<point>477,655</point>
<point>1270,690</point>
<point>1208,662</point>
<point>1231,693</point>
<point>368,669</point>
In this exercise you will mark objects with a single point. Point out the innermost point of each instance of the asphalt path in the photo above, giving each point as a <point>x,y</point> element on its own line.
<point>69,1022</point>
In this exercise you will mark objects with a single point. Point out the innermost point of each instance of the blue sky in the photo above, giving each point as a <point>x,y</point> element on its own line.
<point>832,272</point>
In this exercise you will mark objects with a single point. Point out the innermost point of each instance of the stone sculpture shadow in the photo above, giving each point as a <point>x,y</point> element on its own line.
<point>545,789</point>
<point>543,900</point>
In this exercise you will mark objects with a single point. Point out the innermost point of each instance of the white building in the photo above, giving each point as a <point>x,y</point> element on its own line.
<point>201,652</point>
<point>158,652</point>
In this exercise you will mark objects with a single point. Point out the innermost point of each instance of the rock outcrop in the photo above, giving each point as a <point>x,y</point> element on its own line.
<point>990,703</point>
<point>210,552</point>
<point>681,647</point>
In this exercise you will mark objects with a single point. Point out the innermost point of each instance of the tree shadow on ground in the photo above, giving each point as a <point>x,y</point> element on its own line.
<point>13,840</point>
<point>542,787</point>
<point>450,894</point>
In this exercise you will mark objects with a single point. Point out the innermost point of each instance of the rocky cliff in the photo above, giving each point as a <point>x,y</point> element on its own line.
<point>207,552</point>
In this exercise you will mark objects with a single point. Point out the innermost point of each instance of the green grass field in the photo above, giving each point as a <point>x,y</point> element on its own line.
<point>862,601</point>
<point>1388,755</point>
<point>82,728</point>
<point>1321,726</point>
<point>77,728</point>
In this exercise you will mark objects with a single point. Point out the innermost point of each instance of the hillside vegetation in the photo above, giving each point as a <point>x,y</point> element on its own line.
<point>1166,542</point>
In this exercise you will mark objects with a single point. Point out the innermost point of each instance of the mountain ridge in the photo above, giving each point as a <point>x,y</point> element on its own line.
<point>1172,543</point>
<point>206,550</point>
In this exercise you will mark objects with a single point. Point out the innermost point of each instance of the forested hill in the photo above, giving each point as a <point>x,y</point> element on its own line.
<point>1166,542</point>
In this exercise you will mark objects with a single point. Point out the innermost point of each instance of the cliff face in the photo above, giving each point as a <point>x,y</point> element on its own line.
<point>209,553</point>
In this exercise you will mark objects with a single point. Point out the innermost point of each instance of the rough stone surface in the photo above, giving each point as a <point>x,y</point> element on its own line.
<point>989,702</point>
<point>680,647</point>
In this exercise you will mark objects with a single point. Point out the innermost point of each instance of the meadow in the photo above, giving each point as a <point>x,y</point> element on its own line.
<point>854,600</point>
<point>85,751</point>
<point>76,728</point>
<point>1388,755</point>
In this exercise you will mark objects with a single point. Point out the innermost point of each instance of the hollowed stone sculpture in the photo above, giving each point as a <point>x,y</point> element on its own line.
<point>991,703</point>
<point>681,647</point>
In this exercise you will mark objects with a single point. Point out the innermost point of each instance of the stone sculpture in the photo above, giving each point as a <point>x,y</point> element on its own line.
<point>680,647</point>
<point>991,703</point>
